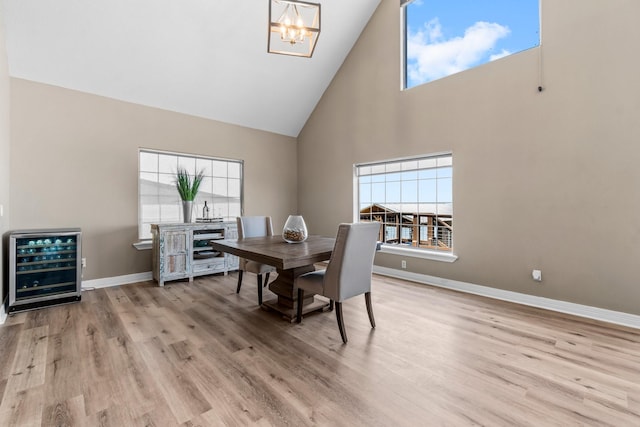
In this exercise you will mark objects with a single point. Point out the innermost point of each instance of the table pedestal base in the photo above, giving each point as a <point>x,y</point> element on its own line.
<point>286,290</point>
<point>291,313</point>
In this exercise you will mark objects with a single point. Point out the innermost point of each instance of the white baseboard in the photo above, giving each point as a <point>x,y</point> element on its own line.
<point>116,281</point>
<point>610,316</point>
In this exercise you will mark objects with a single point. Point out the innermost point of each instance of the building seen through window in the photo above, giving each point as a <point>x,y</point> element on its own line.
<point>411,198</point>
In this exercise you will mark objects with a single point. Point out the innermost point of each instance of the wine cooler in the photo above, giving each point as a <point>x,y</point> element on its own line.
<point>44,268</point>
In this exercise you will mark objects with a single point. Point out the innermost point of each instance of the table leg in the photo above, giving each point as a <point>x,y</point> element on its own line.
<point>285,288</point>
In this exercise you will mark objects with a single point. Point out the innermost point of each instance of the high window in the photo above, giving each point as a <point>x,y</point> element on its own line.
<point>158,198</point>
<point>412,199</point>
<point>444,37</point>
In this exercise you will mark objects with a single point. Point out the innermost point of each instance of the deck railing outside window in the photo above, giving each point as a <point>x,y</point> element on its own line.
<point>411,198</point>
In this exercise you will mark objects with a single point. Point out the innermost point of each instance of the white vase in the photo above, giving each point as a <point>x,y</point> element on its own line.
<point>295,229</point>
<point>187,210</point>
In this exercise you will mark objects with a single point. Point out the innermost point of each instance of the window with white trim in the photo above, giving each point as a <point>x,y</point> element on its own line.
<point>444,37</point>
<point>158,199</point>
<point>412,199</point>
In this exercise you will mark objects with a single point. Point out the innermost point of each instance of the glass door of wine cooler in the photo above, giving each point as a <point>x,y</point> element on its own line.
<point>45,268</point>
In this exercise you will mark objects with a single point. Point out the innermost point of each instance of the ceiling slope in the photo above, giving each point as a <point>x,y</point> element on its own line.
<point>203,58</point>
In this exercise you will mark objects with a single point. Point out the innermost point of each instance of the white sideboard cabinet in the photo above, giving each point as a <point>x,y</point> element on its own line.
<point>182,250</point>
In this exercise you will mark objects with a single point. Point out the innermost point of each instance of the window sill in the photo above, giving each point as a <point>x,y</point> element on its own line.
<point>142,245</point>
<point>419,253</point>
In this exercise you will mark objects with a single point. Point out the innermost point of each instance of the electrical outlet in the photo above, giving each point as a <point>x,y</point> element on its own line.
<point>537,275</point>
<point>84,262</point>
<point>404,264</point>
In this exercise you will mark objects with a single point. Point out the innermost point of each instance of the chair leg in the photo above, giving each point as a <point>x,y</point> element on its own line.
<point>259,289</point>
<point>266,279</point>
<point>330,305</point>
<point>239,281</point>
<point>343,333</point>
<point>300,299</point>
<point>367,298</point>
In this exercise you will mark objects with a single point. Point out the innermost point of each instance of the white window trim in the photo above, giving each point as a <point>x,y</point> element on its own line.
<point>408,252</point>
<point>418,253</point>
<point>144,243</point>
<point>403,46</point>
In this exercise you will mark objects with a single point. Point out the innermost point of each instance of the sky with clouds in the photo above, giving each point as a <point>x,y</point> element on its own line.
<point>448,36</point>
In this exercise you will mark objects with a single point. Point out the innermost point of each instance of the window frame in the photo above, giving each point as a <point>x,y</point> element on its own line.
<point>188,157</point>
<point>403,44</point>
<point>399,248</point>
<point>404,80</point>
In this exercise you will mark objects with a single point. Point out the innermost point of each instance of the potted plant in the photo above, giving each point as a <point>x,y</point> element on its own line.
<point>188,189</point>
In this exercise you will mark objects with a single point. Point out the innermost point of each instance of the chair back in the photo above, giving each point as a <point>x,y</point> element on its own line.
<point>351,265</point>
<point>254,226</point>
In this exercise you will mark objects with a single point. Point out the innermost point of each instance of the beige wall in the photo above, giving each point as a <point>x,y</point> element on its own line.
<point>542,180</point>
<point>4,145</point>
<point>545,180</point>
<point>74,163</point>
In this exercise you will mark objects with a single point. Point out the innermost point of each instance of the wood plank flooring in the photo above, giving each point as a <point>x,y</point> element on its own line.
<point>199,355</point>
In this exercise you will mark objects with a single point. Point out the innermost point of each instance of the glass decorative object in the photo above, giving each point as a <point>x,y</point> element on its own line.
<point>295,230</point>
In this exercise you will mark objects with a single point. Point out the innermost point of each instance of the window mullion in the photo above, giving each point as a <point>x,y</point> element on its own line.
<point>407,202</point>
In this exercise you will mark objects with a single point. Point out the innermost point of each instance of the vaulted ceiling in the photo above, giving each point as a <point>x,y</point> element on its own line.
<point>206,58</point>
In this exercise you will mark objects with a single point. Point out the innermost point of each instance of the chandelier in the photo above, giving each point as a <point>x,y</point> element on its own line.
<point>294,27</point>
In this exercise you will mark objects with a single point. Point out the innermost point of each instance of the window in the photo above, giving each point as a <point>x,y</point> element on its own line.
<point>412,198</point>
<point>159,200</point>
<point>443,37</point>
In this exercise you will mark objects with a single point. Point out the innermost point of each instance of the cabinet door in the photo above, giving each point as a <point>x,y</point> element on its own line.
<point>232,262</point>
<point>174,247</point>
<point>231,231</point>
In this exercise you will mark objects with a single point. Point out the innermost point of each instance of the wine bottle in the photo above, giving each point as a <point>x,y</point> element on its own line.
<point>205,211</point>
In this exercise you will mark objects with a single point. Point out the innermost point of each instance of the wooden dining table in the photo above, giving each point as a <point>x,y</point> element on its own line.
<point>290,260</point>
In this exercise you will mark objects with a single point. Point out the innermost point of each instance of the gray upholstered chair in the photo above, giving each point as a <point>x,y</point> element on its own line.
<point>348,273</point>
<point>254,226</point>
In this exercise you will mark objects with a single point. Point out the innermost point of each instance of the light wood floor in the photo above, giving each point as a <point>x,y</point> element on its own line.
<point>200,355</point>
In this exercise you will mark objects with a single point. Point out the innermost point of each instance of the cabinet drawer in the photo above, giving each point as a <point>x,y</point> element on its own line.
<point>210,265</point>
